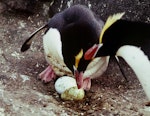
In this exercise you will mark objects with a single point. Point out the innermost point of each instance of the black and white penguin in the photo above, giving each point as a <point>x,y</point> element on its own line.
<point>69,35</point>
<point>129,40</point>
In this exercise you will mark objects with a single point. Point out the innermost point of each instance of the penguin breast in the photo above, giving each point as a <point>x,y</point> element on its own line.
<point>96,67</point>
<point>53,52</point>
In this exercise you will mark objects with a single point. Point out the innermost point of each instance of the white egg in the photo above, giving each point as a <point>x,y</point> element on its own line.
<point>64,83</point>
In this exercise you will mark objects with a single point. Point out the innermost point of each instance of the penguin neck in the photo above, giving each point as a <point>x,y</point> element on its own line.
<point>140,64</point>
<point>107,50</point>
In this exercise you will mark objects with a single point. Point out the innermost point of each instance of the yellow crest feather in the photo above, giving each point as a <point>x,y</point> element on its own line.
<point>78,57</point>
<point>111,19</point>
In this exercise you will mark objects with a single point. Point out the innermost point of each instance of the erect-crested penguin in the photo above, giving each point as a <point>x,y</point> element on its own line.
<point>129,40</point>
<point>69,35</point>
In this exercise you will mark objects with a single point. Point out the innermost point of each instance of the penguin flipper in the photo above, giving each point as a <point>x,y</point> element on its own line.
<point>28,42</point>
<point>139,63</point>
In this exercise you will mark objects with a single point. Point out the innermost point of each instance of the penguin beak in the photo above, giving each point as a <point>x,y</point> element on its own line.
<point>91,53</point>
<point>78,77</point>
<point>82,83</point>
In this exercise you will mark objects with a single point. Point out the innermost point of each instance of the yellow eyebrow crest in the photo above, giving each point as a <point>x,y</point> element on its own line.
<point>111,19</point>
<point>78,57</point>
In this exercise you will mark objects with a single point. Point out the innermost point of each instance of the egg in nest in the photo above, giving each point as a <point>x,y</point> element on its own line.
<point>67,87</point>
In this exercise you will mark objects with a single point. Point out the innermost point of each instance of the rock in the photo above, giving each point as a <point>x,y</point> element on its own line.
<point>2,7</point>
<point>20,5</point>
<point>135,9</point>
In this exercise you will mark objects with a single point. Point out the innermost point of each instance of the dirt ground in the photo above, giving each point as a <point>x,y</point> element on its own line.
<point>22,94</point>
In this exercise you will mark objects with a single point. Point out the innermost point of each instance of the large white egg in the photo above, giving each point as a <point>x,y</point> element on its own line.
<point>64,83</point>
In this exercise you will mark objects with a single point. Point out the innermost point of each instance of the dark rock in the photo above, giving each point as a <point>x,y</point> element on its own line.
<point>2,7</point>
<point>27,6</point>
<point>135,9</point>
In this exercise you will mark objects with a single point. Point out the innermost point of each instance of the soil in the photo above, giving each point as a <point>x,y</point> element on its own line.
<point>22,94</point>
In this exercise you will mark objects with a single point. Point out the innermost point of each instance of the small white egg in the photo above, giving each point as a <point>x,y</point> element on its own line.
<point>64,83</point>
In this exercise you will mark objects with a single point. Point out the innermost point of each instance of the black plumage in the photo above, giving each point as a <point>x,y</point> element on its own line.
<point>124,32</point>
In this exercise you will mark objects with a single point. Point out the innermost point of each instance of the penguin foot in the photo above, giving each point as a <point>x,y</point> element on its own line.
<point>47,75</point>
<point>86,83</point>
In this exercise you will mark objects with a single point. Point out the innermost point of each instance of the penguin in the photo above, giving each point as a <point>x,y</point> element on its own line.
<point>129,40</point>
<point>69,35</point>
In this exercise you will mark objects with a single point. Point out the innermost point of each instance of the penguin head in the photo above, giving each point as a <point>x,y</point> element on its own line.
<point>108,41</point>
<point>77,38</point>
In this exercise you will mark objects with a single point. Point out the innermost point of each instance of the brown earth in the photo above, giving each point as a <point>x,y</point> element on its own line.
<point>21,94</point>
